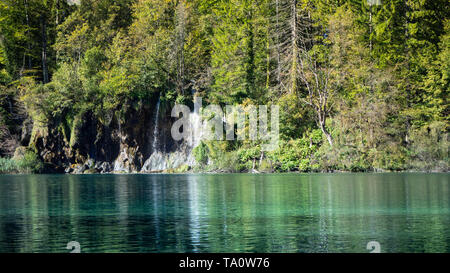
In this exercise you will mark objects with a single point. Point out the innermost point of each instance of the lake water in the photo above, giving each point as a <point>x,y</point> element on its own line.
<point>404,212</point>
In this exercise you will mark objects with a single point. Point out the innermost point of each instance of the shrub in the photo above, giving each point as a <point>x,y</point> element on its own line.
<point>7,165</point>
<point>201,153</point>
<point>299,154</point>
<point>265,166</point>
<point>429,147</point>
<point>30,163</point>
<point>249,154</point>
<point>230,163</point>
<point>23,162</point>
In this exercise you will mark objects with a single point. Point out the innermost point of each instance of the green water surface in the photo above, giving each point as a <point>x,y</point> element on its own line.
<point>404,212</point>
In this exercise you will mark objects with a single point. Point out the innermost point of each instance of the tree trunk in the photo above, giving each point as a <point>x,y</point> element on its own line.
<point>277,26</point>
<point>322,121</point>
<point>44,51</point>
<point>28,35</point>
<point>267,60</point>
<point>370,29</point>
<point>250,71</point>
<point>326,133</point>
<point>293,76</point>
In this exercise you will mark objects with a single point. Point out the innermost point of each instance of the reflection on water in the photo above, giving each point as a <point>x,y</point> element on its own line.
<point>225,213</point>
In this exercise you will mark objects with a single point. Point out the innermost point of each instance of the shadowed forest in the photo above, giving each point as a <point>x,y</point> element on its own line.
<point>361,85</point>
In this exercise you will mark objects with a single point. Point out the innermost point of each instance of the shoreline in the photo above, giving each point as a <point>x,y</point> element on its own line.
<point>224,172</point>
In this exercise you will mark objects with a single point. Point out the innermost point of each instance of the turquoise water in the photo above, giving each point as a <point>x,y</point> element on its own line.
<point>404,212</point>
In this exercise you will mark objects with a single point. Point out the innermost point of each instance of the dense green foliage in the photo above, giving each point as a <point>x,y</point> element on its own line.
<point>360,87</point>
<point>27,163</point>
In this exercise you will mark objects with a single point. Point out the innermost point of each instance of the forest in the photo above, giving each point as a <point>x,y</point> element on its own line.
<point>362,85</point>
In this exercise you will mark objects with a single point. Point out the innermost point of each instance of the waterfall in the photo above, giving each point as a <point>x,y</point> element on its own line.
<point>196,126</point>
<point>157,160</point>
<point>155,129</point>
<point>160,160</point>
<point>196,122</point>
<point>118,164</point>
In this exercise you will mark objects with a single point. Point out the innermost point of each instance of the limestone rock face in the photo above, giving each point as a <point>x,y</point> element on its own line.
<point>138,141</point>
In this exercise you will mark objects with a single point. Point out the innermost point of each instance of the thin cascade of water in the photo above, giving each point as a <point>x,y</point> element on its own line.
<point>196,123</point>
<point>156,129</point>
